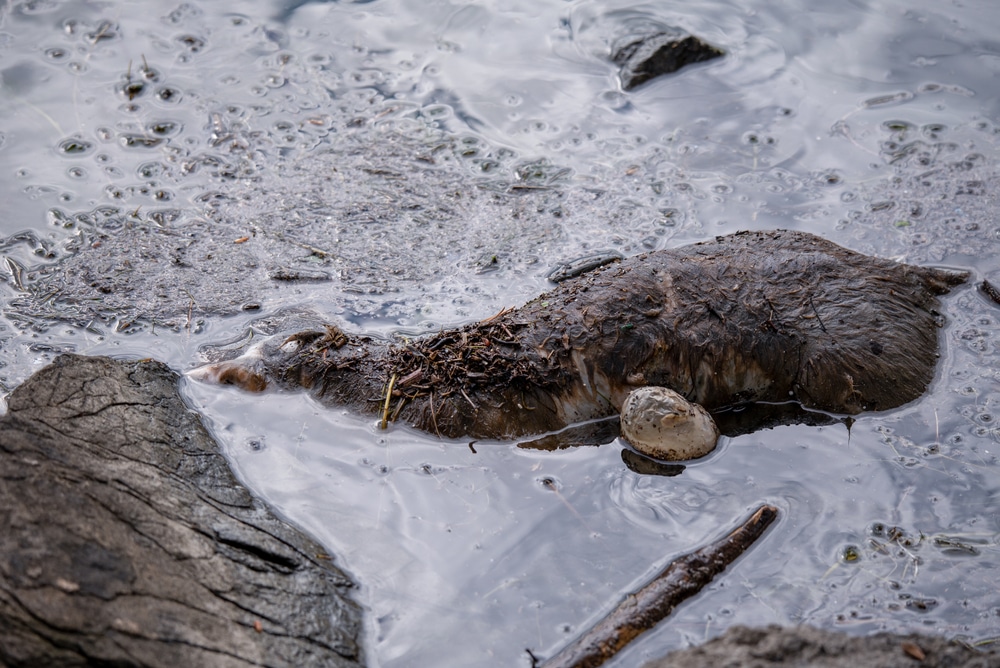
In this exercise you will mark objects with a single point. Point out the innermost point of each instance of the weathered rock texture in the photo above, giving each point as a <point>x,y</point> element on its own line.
<point>805,646</point>
<point>127,541</point>
<point>645,57</point>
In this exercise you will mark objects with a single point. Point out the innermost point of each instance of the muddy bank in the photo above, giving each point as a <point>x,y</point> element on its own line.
<point>128,540</point>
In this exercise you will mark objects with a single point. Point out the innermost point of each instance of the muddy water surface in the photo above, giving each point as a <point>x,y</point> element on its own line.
<point>166,167</point>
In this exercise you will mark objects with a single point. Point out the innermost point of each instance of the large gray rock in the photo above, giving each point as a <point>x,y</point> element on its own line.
<point>127,540</point>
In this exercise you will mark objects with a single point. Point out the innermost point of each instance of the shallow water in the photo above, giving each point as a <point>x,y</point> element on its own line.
<point>837,122</point>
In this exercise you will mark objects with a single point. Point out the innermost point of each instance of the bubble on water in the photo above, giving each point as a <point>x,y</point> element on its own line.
<point>115,193</point>
<point>887,100</point>
<point>168,94</point>
<point>75,147</point>
<point>31,7</point>
<point>59,218</point>
<point>933,130</point>
<point>191,43</point>
<point>183,13</point>
<point>367,77</point>
<point>898,126</point>
<point>274,80</point>
<point>138,141</point>
<point>132,89</point>
<point>255,444</point>
<point>165,217</point>
<point>150,170</point>
<point>829,178</point>
<point>163,128</point>
<point>550,483</point>
<point>105,31</point>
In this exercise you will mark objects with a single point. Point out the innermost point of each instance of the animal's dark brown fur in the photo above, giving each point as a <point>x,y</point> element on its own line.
<point>755,316</point>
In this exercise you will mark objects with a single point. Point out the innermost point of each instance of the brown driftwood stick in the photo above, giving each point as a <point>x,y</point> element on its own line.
<point>681,579</point>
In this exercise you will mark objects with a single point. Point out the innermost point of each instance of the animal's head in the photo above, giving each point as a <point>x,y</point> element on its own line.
<point>246,372</point>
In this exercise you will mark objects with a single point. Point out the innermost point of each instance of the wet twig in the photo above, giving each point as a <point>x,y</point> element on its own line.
<point>681,579</point>
<point>388,398</point>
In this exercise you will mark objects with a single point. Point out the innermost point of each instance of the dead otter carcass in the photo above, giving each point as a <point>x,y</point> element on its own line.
<point>751,317</point>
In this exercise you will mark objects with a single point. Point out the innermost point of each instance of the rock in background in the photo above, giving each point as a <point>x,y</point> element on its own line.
<point>805,646</point>
<point>645,57</point>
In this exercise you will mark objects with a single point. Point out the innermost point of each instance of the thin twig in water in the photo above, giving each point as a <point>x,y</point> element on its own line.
<point>399,408</point>
<point>681,579</point>
<point>550,484</point>
<point>496,316</point>
<point>190,310</point>
<point>467,398</point>
<point>434,420</point>
<point>388,396</point>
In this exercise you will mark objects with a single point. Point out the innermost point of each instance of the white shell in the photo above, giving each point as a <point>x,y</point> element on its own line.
<point>662,424</point>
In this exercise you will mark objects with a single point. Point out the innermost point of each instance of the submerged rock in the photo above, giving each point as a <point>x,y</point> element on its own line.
<point>752,317</point>
<point>645,57</point>
<point>774,646</point>
<point>128,541</point>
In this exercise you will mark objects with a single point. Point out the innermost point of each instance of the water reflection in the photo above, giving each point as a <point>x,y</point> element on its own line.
<point>873,124</point>
<point>493,542</point>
